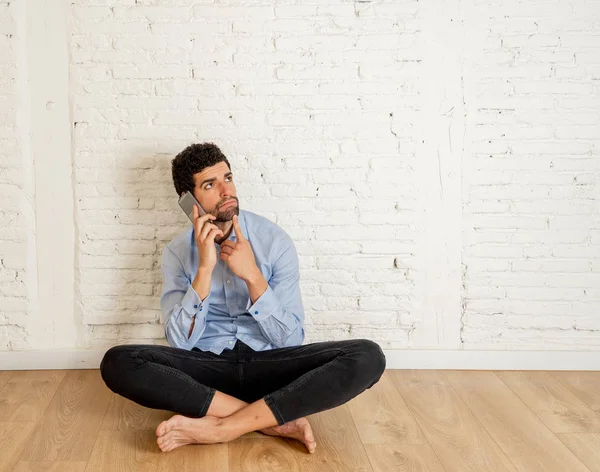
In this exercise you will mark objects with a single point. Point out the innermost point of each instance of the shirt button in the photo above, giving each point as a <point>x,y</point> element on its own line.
<point>228,281</point>
<point>256,312</point>
<point>195,306</point>
<point>230,342</point>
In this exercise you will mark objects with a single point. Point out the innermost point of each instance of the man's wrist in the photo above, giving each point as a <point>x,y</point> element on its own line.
<point>204,271</point>
<point>257,285</point>
<point>201,282</point>
<point>254,277</point>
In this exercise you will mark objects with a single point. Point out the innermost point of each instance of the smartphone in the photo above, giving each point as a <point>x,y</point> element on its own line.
<point>187,202</point>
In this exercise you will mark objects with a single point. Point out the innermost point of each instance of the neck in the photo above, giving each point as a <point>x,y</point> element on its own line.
<point>226,227</point>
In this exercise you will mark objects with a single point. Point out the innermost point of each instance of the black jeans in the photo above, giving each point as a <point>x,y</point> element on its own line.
<point>294,381</point>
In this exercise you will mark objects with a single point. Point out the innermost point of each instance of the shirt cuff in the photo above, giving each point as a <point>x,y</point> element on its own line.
<point>265,305</point>
<point>191,302</point>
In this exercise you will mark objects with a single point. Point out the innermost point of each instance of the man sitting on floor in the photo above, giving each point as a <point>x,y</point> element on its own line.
<point>234,317</point>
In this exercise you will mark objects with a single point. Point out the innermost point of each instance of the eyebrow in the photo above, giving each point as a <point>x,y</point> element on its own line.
<point>214,178</point>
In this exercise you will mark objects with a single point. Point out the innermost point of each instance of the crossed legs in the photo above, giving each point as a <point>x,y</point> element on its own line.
<point>282,387</point>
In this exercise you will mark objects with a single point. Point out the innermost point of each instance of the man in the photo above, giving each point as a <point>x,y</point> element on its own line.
<point>234,318</point>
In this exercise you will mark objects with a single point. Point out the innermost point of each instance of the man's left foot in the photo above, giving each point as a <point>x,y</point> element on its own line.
<point>180,430</point>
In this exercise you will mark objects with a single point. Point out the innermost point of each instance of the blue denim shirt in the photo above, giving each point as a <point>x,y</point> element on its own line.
<point>275,320</point>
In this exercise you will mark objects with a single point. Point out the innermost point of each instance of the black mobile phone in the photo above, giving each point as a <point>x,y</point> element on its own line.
<point>187,202</point>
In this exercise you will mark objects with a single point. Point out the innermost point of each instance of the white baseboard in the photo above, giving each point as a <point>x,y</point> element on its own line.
<point>48,359</point>
<point>491,360</point>
<point>68,359</point>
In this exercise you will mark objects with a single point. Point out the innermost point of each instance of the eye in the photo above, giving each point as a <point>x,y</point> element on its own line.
<point>206,186</point>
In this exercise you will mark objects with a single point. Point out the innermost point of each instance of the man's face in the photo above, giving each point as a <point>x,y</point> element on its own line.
<point>216,192</point>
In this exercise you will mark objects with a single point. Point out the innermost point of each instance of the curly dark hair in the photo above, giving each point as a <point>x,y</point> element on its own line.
<point>190,161</point>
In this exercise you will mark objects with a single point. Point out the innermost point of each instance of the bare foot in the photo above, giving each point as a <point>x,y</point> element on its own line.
<point>180,430</point>
<point>298,429</point>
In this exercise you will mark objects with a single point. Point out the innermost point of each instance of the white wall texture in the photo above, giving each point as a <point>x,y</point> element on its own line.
<point>16,212</point>
<point>436,162</point>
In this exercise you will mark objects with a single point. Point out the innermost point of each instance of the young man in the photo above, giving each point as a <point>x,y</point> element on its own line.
<point>234,318</point>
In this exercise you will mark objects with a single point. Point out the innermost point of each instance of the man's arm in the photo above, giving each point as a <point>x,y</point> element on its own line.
<point>201,285</point>
<point>277,304</point>
<point>183,303</point>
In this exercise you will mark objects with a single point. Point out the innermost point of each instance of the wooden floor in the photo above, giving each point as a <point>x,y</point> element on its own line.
<point>412,420</point>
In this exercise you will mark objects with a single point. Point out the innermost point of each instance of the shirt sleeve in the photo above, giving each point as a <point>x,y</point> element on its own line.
<point>279,310</point>
<point>180,304</point>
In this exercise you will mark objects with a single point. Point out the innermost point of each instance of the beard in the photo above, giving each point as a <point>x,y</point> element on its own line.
<point>227,213</point>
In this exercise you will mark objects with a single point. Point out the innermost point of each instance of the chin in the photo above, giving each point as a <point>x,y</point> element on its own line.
<point>227,214</point>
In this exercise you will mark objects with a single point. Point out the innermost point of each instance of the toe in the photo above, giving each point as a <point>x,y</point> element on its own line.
<point>307,433</point>
<point>175,445</point>
<point>166,426</point>
<point>169,445</point>
<point>172,423</point>
<point>165,439</point>
<point>162,444</point>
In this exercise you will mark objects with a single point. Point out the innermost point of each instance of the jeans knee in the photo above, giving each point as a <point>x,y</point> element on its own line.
<point>374,359</point>
<point>113,364</point>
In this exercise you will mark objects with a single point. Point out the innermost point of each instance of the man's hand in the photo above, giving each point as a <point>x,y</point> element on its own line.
<point>239,255</point>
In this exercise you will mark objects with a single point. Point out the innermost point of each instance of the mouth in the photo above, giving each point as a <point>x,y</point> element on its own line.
<point>228,203</point>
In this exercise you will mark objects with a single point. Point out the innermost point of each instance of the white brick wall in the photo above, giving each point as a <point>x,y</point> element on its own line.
<point>531,258</point>
<point>436,163</point>
<point>16,212</point>
<point>300,97</point>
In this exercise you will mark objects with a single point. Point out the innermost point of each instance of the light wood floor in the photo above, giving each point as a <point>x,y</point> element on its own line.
<point>412,420</point>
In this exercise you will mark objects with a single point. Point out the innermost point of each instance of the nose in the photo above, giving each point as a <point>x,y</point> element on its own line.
<point>226,190</point>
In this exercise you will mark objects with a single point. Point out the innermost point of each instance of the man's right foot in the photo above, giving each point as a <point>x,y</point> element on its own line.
<point>298,429</point>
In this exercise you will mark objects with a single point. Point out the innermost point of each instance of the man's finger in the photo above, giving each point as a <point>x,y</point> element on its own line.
<point>227,250</point>
<point>238,231</point>
<point>212,234</point>
<point>227,243</point>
